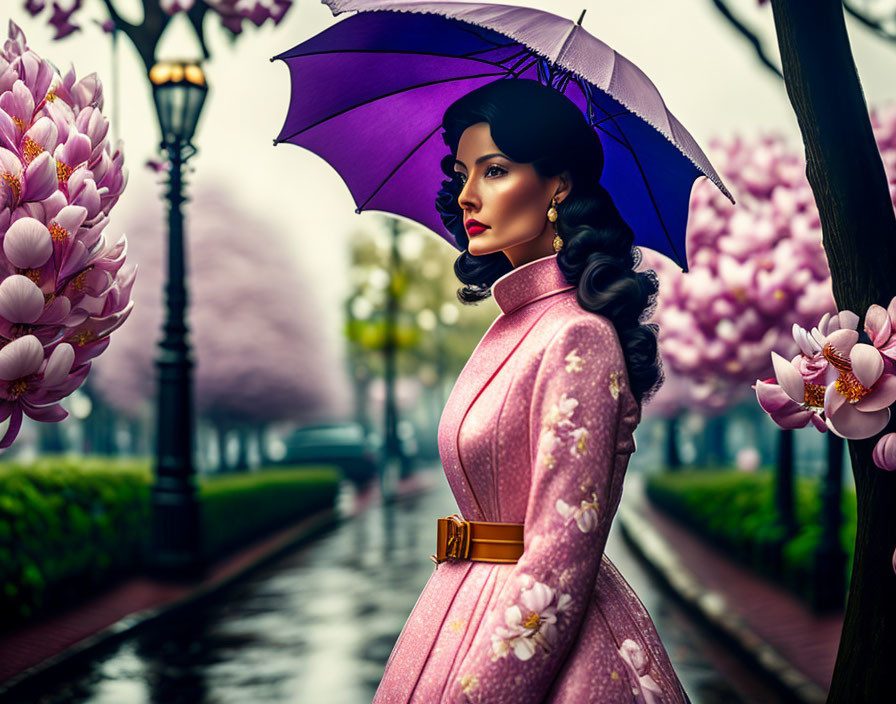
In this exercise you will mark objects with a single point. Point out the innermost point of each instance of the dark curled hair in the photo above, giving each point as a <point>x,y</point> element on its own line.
<point>532,123</point>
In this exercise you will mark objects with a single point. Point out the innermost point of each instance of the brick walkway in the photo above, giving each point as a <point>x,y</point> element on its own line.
<point>34,647</point>
<point>774,623</point>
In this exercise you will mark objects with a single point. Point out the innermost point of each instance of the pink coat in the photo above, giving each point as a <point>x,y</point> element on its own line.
<point>538,430</point>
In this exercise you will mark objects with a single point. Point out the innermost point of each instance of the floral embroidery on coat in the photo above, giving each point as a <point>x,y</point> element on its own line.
<point>468,683</point>
<point>638,664</point>
<point>585,514</point>
<point>615,384</point>
<point>532,626</point>
<point>573,362</point>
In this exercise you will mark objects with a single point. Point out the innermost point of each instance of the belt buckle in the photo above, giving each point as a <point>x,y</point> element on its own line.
<point>452,539</point>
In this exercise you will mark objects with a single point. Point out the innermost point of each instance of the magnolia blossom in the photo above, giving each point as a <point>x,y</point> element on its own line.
<point>63,288</point>
<point>532,623</point>
<point>856,401</point>
<point>850,384</point>
<point>585,514</point>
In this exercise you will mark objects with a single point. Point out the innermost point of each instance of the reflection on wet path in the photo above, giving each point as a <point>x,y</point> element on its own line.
<point>319,624</point>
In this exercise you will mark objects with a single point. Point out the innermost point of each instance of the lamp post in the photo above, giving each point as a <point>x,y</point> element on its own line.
<point>179,90</point>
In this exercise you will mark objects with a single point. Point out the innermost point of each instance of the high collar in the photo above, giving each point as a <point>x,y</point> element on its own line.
<point>529,282</point>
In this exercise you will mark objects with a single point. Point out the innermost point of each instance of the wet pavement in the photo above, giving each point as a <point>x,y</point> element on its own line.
<point>319,624</point>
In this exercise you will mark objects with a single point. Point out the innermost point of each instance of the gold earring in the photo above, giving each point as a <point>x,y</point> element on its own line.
<point>552,216</point>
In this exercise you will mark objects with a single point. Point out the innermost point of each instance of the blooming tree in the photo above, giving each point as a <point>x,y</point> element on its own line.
<point>63,287</point>
<point>259,353</point>
<point>756,269</point>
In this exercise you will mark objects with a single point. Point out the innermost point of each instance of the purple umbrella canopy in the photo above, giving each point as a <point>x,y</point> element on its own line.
<point>369,93</point>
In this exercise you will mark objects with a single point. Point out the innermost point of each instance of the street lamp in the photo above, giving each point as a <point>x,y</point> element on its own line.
<point>179,89</point>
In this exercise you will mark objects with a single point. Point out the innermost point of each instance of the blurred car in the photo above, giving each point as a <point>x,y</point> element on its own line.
<point>340,444</point>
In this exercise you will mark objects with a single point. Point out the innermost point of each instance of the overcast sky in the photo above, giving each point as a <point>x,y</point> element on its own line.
<point>706,73</point>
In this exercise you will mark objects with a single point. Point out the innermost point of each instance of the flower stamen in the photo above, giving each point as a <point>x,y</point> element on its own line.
<point>63,171</point>
<point>31,150</point>
<point>814,395</point>
<point>847,384</point>
<point>533,621</point>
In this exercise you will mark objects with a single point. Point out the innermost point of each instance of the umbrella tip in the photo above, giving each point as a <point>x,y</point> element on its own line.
<point>276,142</point>
<point>581,17</point>
<point>357,211</point>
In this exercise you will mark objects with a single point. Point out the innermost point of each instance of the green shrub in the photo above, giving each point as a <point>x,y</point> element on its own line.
<point>736,512</point>
<point>237,508</point>
<point>70,525</point>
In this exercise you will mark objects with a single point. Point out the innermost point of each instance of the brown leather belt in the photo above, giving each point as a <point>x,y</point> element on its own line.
<point>479,541</point>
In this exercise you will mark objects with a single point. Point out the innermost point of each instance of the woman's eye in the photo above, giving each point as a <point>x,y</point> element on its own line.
<point>460,177</point>
<point>494,170</point>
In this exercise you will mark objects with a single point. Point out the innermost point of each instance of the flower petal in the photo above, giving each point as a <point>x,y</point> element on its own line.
<point>833,399</point>
<point>843,340</point>
<point>848,320</point>
<point>789,378</point>
<point>21,357</point>
<point>853,424</point>
<point>877,325</point>
<point>867,364</point>
<point>59,364</point>
<point>45,414</point>
<point>513,616</point>
<point>27,243</point>
<point>884,454</point>
<point>40,178</point>
<point>523,648</point>
<point>882,395</point>
<point>21,301</point>
<point>15,424</point>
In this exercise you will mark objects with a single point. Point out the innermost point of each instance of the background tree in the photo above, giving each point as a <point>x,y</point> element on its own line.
<point>260,356</point>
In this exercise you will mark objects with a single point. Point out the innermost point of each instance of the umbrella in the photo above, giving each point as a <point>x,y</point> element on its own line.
<point>368,95</point>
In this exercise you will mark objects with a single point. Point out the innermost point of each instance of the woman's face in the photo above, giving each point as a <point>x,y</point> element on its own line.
<point>508,199</point>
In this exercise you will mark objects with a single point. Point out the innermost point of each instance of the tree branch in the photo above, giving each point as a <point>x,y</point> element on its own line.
<point>871,24</point>
<point>196,15</point>
<point>749,35</point>
<point>119,21</point>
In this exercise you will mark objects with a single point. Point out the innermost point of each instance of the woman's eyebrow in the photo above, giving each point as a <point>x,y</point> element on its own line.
<point>482,158</point>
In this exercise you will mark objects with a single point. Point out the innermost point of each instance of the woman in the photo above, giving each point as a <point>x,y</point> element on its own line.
<point>538,429</point>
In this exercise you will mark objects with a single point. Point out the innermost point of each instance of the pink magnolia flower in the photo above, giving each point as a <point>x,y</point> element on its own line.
<point>32,384</point>
<point>791,401</point>
<point>63,288</point>
<point>857,402</point>
<point>533,625</point>
<point>884,454</point>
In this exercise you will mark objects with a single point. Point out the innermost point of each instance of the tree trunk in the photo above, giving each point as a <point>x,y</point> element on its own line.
<point>716,452</point>
<point>673,458</point>
<point>784,483</point>
<point>261,438</point>
<point>221,433</point>
<point>846,173</point>
<point>830,559</point>
<point>242,455</point>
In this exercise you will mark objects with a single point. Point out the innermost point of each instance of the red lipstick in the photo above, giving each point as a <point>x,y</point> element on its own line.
<point>474,227</point>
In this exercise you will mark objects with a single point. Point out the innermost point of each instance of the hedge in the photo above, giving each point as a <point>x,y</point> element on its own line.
<point>69,526</point>
<point>736,512</point>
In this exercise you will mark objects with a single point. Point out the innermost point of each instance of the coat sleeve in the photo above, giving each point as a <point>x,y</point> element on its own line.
<point>523,640</point>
